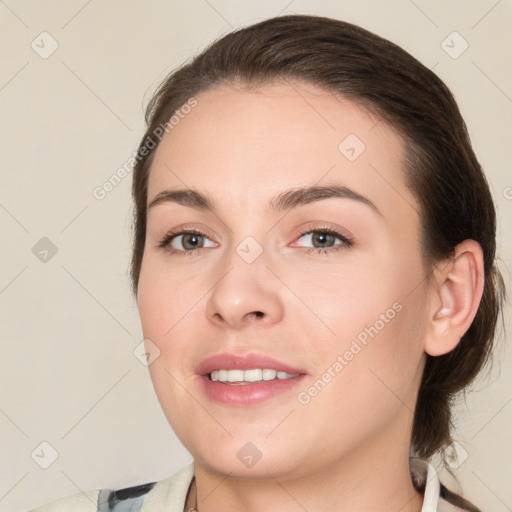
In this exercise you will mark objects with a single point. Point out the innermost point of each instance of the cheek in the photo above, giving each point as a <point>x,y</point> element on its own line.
<point>370,313</point>
<point>366,375</point>
<point>168,303</point>
<point>165,297</point>
<point>345,297</point>
<point>171,302</point>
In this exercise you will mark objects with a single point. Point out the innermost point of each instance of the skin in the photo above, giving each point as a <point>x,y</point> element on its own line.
<point>347,449</point>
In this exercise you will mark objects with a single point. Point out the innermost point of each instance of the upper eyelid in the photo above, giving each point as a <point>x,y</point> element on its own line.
<point>169,237</point>
<point>335,232</point>
<point>198,231</point>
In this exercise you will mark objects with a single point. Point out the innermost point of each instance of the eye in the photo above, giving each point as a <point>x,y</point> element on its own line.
<point>190,240</point>
<point>325,240</point>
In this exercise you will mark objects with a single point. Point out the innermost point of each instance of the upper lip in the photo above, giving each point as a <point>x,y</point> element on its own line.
<point>226,361</point>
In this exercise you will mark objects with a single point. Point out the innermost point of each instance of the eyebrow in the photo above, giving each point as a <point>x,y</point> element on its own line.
<point>284,201</point>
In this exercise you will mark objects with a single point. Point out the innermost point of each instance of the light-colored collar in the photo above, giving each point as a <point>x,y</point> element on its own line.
<point>169,495</point>
<point>425,476</point>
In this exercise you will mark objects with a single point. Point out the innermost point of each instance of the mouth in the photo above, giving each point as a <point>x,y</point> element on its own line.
<point>232,368</point>
<point>240,377</point>
<point>246,380</point>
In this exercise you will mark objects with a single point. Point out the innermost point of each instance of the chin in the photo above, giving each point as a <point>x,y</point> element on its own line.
<point>245,457</point>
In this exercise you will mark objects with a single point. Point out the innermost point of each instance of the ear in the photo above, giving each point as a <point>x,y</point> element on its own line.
<point>456,290</point>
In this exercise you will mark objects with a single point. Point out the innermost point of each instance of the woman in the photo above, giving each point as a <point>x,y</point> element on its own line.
<point>314,265</point>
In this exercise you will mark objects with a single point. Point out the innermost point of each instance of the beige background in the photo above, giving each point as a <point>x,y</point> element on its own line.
<point>69,325</point>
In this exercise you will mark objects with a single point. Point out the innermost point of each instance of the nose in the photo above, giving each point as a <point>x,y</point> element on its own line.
<point>245,294</point>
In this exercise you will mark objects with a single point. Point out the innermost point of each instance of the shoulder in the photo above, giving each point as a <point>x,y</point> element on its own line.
<point>436,497</point>
<point>82,502</point>
<point>446,506</point>
<point>169,495</point>
<point>162,496</point>
<point>451,502</point>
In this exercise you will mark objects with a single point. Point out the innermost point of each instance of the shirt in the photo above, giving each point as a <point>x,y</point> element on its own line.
<point>169,495</point>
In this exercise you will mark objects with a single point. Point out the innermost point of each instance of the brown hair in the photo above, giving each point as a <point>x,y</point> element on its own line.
<point>441,168</point>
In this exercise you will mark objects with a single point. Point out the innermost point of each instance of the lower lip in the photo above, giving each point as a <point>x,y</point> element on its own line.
<point>252,393</point>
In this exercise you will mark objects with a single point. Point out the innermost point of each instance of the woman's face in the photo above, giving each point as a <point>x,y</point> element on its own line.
<point>306,257</point>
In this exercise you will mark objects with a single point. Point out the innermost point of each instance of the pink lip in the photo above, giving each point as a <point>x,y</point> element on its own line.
<point>227,361</point>
<point>244,395</point>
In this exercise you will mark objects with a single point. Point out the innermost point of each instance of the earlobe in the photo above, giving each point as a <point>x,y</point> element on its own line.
<point>457,289</point>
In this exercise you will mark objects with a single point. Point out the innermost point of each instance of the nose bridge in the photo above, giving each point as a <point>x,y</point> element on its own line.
<point>245,289</point>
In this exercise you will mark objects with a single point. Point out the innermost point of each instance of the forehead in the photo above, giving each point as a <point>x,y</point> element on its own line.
<point>243,145</point>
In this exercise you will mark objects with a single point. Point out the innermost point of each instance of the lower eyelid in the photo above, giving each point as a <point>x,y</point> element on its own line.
<point>167,240</point>
<point>343,239</point>
<point>177,235</point>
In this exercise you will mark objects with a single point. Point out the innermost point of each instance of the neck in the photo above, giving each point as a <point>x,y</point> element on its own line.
<point>375,482</point>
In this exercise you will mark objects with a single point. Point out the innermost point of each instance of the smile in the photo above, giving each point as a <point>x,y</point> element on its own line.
<point>248,376</point>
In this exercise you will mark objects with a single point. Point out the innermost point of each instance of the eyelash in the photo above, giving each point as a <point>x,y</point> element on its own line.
<point>166,240</point>
<point>346,241</point>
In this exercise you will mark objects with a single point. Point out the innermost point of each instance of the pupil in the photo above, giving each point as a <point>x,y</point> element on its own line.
<point>323,238</point>
<point>192,240</point>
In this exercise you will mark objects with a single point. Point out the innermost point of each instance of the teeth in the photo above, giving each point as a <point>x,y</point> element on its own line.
<point>269,374</point>
<point>235,375</point>
<point>253,375</point>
